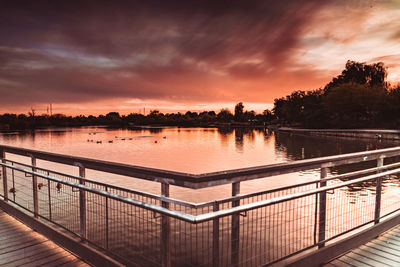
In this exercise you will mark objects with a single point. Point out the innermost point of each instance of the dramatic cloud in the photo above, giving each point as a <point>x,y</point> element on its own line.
<point>188,52</point>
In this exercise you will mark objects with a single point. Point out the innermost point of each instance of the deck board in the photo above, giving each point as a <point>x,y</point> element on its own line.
<point>382,251</point>
<point>21,246</point>
<point>345,262</point>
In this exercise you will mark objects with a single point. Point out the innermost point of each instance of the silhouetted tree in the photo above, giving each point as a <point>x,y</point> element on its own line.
<point>249,115</point>
<point>355,98</point>
<point>239,112</point>
<point>354,105</point>
<point>372,75</point>
<point>268,116</point>
<point>224,115</point>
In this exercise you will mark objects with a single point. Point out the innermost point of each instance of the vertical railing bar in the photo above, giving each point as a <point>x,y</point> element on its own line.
<point>316,214</point>
<point>49,196</point>
<point>4,171</point>
<point>215,237</point>
<point>235,227</point>
<point>165,230</point>
<point>35,189</point>
<point>322,210</point>
<point>13,182</point>
<point>378,195</point>
<point>106,188</point>
<point>82,203</point>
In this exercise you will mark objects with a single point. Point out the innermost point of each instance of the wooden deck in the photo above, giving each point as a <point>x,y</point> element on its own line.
<point>382,251</point>
<point>21,246</point>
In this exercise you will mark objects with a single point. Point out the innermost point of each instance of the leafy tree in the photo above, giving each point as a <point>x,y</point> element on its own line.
<point>390,113</point>
<point>239,112</point>
<point>113,115</point>
<point>249,115</point>
<point>355,98</point>
<point>224,115</point>
<point>372,75</point>
<point>268,115</point>
<point>354,105</point>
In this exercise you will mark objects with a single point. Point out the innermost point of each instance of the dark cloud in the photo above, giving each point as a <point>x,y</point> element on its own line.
<point>76,51</point>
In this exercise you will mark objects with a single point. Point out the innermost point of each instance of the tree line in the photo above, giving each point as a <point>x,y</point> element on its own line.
<point>360,97</point>
<point>114,119</point>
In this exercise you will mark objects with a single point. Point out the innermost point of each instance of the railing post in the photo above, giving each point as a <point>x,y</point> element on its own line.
<point>35,189</point>
<point>322,210</point>
<point>215,237</point>
<point>378,195</point>
<point>4,171</point>
<point>82,203</point>
<point>165,230</point>
<point>235,227</point>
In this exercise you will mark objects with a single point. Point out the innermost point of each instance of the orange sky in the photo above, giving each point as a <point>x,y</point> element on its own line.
<point>93,57</point>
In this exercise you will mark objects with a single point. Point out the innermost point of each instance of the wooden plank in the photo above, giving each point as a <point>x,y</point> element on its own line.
<point>7,237</point>
<point>21,246</point>
<point>7,227</point>
<point>374,252</point>
<point>338,263</point>
<point>390,239</point>
<point>384,247</point>
<point>32,254</point>
<point>396,229</point>
<point>72,263</point>
<point>370,258</point>
<point>17,229</point>
<point>33,258</point>
<point>365,260</point>
<point>47,261</point>
<point>351,261</point>
<point>21,241</point>
<point>58,261</point>
<point>63,261</point>
<point>32,250</point>
<point>392,234</point>
<point>342,246</point>
<point>91,255</point>
<point>389,233</point>
<point>83,264</point>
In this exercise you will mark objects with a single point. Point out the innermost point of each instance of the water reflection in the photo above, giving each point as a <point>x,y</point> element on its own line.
<point>225,134</point>
<point>297,147</point>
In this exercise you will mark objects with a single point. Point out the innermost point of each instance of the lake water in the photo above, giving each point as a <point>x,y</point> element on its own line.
<point>193,150</point>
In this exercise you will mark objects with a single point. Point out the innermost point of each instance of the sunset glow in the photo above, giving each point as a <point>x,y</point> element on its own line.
<point>93,57</point>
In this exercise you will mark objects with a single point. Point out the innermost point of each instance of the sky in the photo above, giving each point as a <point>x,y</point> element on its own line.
<point>93,57</point>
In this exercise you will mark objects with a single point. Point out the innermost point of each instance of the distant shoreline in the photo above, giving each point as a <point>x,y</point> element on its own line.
<point>153,126</point>
<point>377,134</point>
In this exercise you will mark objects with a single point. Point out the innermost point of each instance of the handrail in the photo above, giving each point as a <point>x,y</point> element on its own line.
<point>208,203</point>
<point>246,207</point>
<point>109,186</point>
<point>195,219</point>
<point>196,181</point>
<point>152,207</point>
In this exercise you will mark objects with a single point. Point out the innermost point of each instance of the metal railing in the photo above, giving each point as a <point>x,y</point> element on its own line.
<point>254,229</point>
